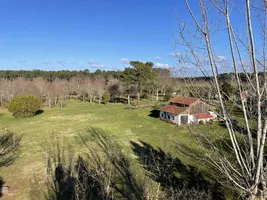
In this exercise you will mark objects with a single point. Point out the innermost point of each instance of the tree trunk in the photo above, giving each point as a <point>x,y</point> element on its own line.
<point>128,99</point>
<point>61,103</point>
<point>157,95</point>
<point>99,100</point>
<point>49,103</point>
<point>89,98</point>
<point>138,99</point>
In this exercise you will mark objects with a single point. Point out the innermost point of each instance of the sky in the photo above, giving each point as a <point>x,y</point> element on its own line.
<point>88,34</point>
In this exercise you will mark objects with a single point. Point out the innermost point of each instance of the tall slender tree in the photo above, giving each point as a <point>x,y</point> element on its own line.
<point>144,74</point>
<point>245,168</point>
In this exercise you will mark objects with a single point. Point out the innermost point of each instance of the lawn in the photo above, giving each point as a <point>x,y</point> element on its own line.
<point>70,122</point>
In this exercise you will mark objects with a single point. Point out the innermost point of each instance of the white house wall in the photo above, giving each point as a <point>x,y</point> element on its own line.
<point>179,118</point>
<point>176,119</point>
<point>169,116</point>
<point>192,119</point>
<point>213,114</point>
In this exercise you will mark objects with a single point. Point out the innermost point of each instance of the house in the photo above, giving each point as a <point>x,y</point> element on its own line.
<point>186,110</point>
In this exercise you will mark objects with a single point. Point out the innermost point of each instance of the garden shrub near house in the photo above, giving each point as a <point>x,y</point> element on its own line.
<point>24,106</point>
<point>168,96</point>
<point>201,122</point>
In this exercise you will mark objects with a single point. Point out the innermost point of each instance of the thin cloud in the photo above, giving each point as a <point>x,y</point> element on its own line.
<point>124,61</point>
<point>62,62</point>
<point>157,58</point>
<point>95,64</point>
<point>175,54</point>
<point>45,63</point>
<point>74,63</point>
<point>22,62</point>
<point>172,54</point>
<point>162,65</point>
<point>221,58</point>
<point>90,62</point>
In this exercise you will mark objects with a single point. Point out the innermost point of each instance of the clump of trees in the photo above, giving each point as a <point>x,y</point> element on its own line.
<point>24,106</point>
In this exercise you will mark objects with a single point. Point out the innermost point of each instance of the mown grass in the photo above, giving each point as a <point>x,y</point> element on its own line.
<point>69,124</point>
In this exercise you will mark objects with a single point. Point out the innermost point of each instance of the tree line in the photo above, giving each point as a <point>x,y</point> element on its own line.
<point>54,87</point>
<point>139,80</point>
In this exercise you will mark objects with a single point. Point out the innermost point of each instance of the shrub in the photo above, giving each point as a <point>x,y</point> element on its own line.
<point>228,90</point>
<point>167,96</point>
<point>145,96</point>
<point>106,97</point>
<point>24,106</point>
<point>201,122</point>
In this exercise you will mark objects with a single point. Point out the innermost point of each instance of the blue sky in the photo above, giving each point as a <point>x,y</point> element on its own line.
<point>88,34</point>
<point>79,34</point>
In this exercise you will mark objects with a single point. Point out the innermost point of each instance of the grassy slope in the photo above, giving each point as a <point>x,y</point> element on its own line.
<point>68,123</point>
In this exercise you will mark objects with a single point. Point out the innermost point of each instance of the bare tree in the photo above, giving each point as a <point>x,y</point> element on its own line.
<point>99,87</point>
<point>115,87</point>
<point>246,170</point>
<point>77,85</point>
<point>162,80</point>
<point>41,86</point>
<point>89,88</point>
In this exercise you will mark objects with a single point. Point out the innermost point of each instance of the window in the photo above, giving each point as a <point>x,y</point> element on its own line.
<point>172,117</point>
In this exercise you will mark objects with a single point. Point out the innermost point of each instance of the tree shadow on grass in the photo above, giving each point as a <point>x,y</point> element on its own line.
<point>171,173</point>
<point>118,100</point>
<point>9,149</point>
<point>9,146</point>
<point>109,157</point>
<point>239,129</point>
<point>103,173</point>
<point>1,185</point>
<point>60,180</point>
<point>39,112</point>
<point>154,113</point>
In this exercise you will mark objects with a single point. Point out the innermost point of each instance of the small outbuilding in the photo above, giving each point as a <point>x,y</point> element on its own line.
<point>186,110</point>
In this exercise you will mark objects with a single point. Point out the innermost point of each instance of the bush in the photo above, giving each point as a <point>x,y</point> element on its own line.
<point>145,96</point>
<point>106,97</point>
<point>201,122</point>
<point>228,90</point>
<point>24,106</point>
<point>211,121</point>
<point>167,96</point>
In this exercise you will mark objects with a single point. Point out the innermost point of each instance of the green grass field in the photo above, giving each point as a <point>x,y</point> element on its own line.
<point>69,123</point>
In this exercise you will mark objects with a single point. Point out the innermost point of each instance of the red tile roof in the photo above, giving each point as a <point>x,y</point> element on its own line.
<point>183,100</point>
<point>203,115</point>
<point>173,109</point>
